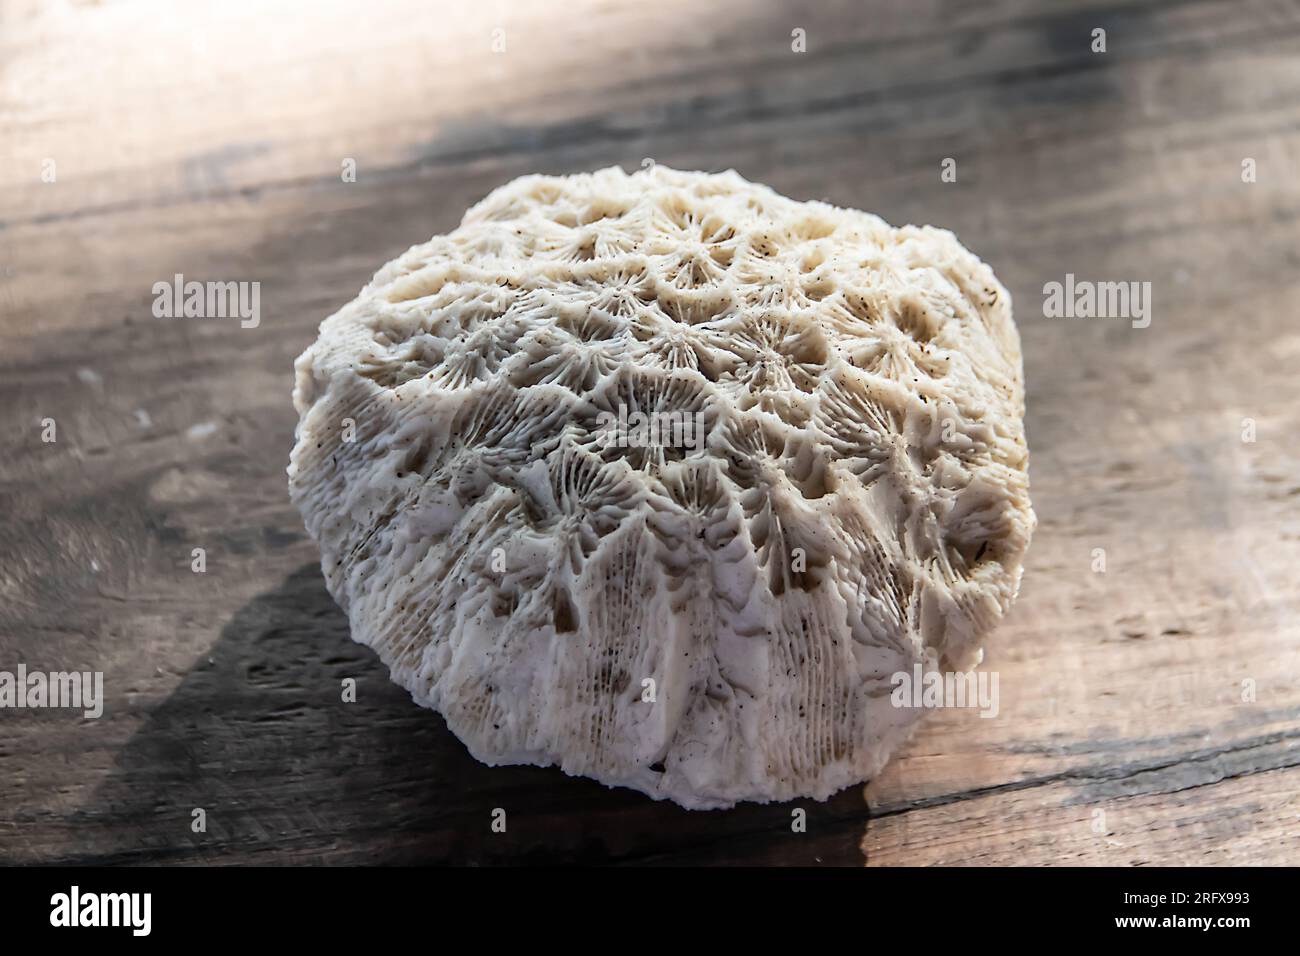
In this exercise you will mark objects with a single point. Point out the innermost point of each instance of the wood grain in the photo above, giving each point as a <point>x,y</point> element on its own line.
<point>208,141</point>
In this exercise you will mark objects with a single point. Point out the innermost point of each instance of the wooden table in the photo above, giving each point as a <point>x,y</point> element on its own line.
<point>1149,714</point>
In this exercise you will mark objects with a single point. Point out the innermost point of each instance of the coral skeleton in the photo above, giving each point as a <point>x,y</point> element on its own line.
<point>829,487</point>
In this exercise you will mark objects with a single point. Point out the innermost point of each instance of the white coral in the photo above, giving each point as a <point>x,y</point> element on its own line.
<point>859,496</point>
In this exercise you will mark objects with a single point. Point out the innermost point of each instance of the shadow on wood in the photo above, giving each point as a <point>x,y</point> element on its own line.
<point>258,737</point>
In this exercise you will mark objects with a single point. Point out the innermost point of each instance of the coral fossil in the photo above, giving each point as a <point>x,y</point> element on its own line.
<point>707,621</point>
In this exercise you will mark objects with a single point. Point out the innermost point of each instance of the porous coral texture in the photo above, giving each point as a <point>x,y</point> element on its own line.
<point>707,613</point>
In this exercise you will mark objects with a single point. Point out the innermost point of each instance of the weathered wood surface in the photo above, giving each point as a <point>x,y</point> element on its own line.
<point>207,141</point>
